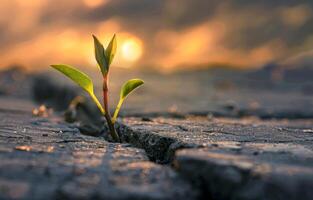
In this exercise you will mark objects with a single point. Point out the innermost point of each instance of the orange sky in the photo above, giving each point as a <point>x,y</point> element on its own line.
<point>167,35</point>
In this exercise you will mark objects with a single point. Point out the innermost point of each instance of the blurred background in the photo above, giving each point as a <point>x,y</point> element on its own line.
<point>232,57</point>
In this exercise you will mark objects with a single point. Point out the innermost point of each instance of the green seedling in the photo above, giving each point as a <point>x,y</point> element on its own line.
<point>104,59</point>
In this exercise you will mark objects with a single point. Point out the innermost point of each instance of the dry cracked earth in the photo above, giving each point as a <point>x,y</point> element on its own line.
<point>160,157</point>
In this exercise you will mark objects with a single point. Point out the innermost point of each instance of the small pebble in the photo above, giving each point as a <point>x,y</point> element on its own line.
<point>146,119</point>
<point>256,153</point>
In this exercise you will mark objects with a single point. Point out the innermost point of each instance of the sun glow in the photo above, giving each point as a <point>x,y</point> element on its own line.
<point>131,49</point>
<point>94,3</point>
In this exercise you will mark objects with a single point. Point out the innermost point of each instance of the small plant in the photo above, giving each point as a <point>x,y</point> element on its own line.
<point>104,59</point>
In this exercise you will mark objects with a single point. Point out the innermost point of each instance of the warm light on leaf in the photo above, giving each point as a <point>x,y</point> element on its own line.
<point>127,88</point>
<point>100,56</point>
<point>111,50</point>
<point>79,78</point>
<point>130,86</point>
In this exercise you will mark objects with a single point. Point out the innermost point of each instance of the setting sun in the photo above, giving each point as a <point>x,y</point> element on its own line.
<point>94,3</point>
<point>131,49</point>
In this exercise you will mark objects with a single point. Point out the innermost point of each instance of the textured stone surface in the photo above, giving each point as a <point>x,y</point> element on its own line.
<point>222,158</point>
<point>226,174</point>
<point>166,135</point>
<point>47,159</point>
<point>233,159</point>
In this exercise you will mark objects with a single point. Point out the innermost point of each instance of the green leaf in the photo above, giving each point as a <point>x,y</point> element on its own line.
<point>81,79</point>
<point>127,88</point>
<point>100,56</point>
<point>130,86</point>
<point>111,50</point>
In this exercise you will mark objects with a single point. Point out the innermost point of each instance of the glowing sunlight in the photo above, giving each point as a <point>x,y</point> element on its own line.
<point>131,49</point>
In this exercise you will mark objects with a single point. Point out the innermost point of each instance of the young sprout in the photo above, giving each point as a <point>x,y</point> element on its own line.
<point>104,59</point>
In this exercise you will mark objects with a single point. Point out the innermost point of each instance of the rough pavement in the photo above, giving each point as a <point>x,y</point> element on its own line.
<point>232,159</point>
<point>208,157</point>
<point>47,159</point>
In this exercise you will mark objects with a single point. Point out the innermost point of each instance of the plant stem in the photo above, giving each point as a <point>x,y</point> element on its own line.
<point>111,127</point>
<point>107,114</point>
<point>97,103</point>
<point>118,107</point>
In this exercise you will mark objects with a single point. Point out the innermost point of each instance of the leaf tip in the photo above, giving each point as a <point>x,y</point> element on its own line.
<point>54,66</point>
<point>95,39</point>
<point>139,81</point>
